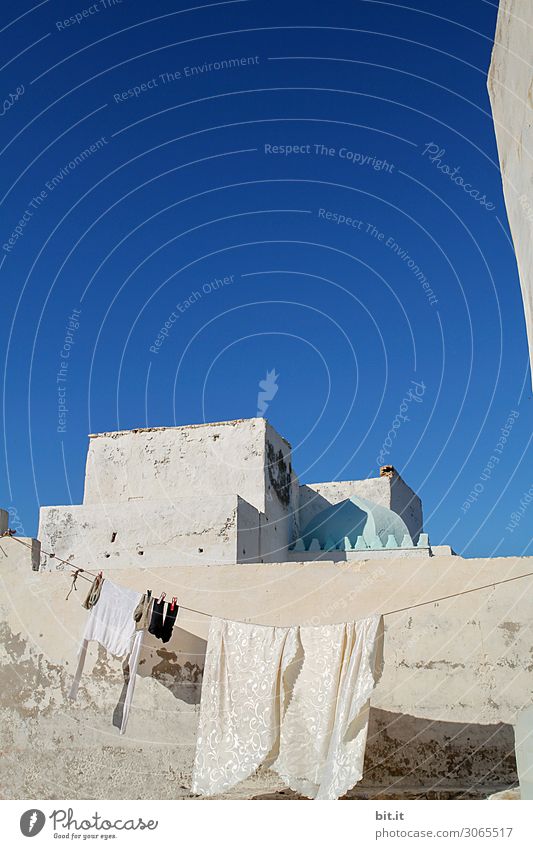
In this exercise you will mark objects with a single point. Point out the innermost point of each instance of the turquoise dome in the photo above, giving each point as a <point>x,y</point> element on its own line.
<point>352,518</point>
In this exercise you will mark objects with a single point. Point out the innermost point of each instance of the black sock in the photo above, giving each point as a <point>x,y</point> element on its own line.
<point>168,624</point>
<point>156,622</point>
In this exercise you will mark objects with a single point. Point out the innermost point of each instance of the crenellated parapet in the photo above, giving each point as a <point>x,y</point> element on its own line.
<point>361,544</point>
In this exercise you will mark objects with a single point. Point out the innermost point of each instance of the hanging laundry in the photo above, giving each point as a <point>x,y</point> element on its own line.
<point>299,695</point>
<point>241,702</point>
<point>152,611</point>
<point>169,621</point>
<point>142,616</point>
<point>161,623</point>
<point>94,592</point>
<point>324,730</point>
<point>110,623</point>
<point>133,663</point>
<point>143,611</point>
<point>156,621</point>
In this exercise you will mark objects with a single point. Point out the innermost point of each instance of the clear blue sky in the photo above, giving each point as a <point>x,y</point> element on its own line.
<point>160,166</point>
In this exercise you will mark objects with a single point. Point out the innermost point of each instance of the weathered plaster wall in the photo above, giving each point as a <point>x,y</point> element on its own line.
<point>248,542</point>
<point>180,495</point>
<point>407,504</point>
<point>279,524</point>
<point>124,535</point>
<point>453,672</point>
<point>173,463</point>
<point>411,757</point>
<point>510,84</point>
<point>54,748</point>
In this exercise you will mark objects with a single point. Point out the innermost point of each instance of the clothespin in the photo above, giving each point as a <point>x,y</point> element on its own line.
<point>174,603</point>
<point>161,597</point>
<point>148,594</point>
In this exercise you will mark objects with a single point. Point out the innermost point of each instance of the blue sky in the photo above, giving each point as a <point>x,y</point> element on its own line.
<point>195,197</point>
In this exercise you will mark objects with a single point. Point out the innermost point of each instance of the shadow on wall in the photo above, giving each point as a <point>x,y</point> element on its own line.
<point>411,758</point>
<point>177,665</point>
<point>314,503</point>
<point>408,754</point>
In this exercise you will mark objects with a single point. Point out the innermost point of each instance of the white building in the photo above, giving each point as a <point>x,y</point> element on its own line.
<point>223,493</point>
<point>214,515</point>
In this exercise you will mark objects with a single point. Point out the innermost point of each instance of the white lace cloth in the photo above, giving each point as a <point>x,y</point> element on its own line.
<point>323,733</point>
<point>240,706</point>
<point>299,695</point>
<point>110,623</point>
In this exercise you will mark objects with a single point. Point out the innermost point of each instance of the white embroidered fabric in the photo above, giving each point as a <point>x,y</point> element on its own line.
<point>302,693</point>
<point>110,623</point>
<point>323,733</point>
<point>241,702</point>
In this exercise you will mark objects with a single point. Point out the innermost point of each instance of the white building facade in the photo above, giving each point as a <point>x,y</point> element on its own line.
<point>214,514</point>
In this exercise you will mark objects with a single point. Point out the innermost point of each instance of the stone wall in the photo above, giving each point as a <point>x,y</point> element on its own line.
<point>455,674</point>
<point>175,463</point>
<point>180,494</point>
<point>279,525</point>
<point>206,529</point>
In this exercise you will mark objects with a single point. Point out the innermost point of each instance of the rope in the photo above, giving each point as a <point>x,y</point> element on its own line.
<point>78,573</point>
<point>11,534</point>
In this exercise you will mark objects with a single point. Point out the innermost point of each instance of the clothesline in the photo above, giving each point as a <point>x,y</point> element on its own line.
<point>79,572</point>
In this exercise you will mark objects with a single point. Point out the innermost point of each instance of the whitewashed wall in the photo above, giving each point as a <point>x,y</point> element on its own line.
<point>455,673</point>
